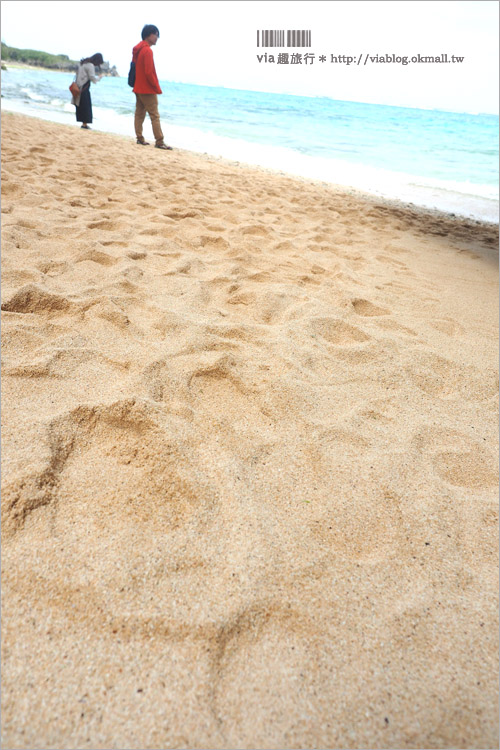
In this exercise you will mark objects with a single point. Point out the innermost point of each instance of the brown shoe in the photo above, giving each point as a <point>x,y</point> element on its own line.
<point>142,143</point>
<point>164,146</point>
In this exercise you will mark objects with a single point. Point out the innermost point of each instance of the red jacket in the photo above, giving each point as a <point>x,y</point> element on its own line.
<point>146,80</point>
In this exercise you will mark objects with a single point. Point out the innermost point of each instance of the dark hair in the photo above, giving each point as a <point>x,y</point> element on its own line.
<point>149,29</point>
<point>96,59</point>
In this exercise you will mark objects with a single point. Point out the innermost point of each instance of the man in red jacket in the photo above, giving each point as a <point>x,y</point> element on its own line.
<point>147,88</point>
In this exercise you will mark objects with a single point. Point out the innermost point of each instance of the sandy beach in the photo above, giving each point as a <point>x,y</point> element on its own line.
<point>249,457</point>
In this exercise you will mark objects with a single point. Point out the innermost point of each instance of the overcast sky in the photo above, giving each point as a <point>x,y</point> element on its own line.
<point>213,42</point>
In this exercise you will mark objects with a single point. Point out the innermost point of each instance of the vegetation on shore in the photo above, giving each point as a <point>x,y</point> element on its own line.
<point>41,59</point>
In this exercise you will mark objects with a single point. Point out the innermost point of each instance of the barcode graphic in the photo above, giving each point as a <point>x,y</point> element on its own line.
<point>276,38</point>
<point>298,38</point>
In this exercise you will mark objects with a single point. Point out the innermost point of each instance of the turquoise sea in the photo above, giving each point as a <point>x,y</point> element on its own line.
<point>439,159</point>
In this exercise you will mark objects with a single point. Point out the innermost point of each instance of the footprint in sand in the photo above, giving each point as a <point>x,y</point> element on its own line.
<point>458,459</point>
<point>26,224</point>
<point>107,243</point>
<point>262,276</point>
<point>474,468</point>
<point>391,325</point>
<point>69,363</point>
<point>108,310</point>
<point>32,299</point>
<point>102,259</point>
<point>285,245</point>
<point>53,268</point>
<point>215,228</point>
<point>257,230</point>
<point>317,269</point>
<point>132,274</point>
<point>176,215</point>
<point>18,277</point>
<point>135,255</point>
<point>367,309</point>
<point>140,474</point>
<point>215,242</point>
<point>440,377</point>
<point>242,298</point>
<point>448,326</point>
<point>11,188</point>
<point>105,224</point>
<point>319,238</point>
<point>306,280</point>
<point>335,331</point>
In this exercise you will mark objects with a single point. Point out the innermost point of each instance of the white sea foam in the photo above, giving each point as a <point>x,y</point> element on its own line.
<point>32,95</point>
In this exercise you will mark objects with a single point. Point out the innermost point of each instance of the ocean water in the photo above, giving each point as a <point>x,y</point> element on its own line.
<point>438,159</point>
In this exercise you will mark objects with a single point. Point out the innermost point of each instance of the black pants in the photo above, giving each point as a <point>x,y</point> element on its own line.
<point>84,111</point>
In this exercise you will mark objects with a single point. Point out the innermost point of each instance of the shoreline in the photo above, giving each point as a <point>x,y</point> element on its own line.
<point>412,209</point>
<point>249,457</point>
<point>445,195</point>
<point>23,66</point>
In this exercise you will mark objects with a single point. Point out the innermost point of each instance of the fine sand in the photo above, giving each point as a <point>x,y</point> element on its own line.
<point>249,457</point>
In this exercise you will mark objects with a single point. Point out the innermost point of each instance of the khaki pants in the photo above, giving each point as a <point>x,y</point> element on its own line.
<point>147,103</point>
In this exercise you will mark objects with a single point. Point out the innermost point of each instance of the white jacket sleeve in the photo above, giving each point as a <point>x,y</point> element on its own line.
<point>91,73</point>
<point>86,73</point>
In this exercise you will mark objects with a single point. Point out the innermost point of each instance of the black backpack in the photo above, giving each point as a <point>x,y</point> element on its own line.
<point>131,74</point>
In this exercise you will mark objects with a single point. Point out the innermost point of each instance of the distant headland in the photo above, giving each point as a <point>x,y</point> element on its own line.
<point>39,59</point>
